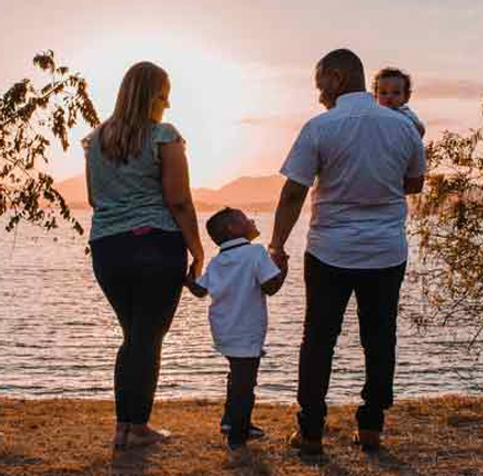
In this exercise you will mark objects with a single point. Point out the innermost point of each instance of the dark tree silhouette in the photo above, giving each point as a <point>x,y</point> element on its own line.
<point>30,118</point>
<point>449,222</point>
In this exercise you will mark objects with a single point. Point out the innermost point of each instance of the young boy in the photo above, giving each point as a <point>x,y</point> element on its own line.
<point>238,280</point>
<point>392,88</point>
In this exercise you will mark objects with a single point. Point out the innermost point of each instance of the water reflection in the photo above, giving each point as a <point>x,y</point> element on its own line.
<point>58,336</point>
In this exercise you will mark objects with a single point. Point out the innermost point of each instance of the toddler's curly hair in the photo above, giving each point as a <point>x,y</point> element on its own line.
<point>393,73</point>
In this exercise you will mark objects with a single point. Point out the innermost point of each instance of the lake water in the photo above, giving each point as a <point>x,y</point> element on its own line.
<point>58,335</point>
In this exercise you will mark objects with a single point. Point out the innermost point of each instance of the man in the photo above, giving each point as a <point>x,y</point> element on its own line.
<point>364,158</point>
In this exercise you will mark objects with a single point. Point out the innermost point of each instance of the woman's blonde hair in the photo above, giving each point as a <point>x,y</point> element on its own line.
<point>123,134</point>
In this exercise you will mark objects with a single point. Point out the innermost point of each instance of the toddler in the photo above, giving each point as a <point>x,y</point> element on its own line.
<point>392,88</point>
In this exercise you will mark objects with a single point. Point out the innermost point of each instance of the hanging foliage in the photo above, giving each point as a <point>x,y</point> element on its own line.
<point>30,119</point>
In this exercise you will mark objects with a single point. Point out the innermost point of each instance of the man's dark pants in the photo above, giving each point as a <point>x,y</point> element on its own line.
<point>328,290</point>
<point>240,396</point>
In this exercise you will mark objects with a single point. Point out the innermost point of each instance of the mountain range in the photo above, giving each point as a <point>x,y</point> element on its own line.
<point>250,193</point>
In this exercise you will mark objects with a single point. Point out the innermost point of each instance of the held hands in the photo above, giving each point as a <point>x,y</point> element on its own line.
<point>196,268</point>
<point>279,257</point>
<point>190,279</point>
<point>194,271</point>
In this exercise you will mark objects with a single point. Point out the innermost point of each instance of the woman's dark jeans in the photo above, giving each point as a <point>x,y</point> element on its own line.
<point>142,278</point>
<point>328,290</point>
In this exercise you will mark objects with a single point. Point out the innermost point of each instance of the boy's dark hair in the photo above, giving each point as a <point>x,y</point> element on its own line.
<point>393,73</point>
<point>217,225</point>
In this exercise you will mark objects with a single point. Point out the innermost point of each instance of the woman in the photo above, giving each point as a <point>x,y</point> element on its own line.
<point>143,222</point>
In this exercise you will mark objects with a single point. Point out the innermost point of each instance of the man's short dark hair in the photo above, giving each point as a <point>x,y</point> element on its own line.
<point>342,59</point>
<point>217,225</point>
<point>393,73</point>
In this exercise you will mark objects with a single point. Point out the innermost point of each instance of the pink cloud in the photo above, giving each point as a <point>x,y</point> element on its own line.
<point>292,122</point>
<point>448,89</point>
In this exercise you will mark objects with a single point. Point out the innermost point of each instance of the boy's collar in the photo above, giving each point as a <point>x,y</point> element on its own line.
<point>236,241</point>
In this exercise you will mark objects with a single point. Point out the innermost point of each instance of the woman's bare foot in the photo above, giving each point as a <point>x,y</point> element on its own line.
<point>121,435</point>
<point>143,435</point>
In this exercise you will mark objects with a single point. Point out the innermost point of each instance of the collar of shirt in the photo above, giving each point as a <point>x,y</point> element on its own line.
<point>354,98</point>
<point>230,243</point>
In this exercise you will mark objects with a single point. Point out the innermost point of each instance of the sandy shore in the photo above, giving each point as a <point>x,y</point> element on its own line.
<point>441,437</point>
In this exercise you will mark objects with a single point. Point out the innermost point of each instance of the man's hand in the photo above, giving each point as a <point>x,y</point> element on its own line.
<point>413,185</point>
<point>279,257</point>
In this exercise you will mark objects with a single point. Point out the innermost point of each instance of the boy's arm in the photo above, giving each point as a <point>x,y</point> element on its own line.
<point>195,288</point>
<point>272,286</point>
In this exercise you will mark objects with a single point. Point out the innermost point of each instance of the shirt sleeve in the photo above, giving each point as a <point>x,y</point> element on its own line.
<point>87,141</point>
<point>164,133</point>
<point>417,162</point>
<point>265,268</point>
<point>302,164</point>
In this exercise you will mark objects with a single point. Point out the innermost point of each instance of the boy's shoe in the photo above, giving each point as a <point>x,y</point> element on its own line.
<point>369,440</point>
<point>147,437</point>
<point>225,428</point>
<point>254,432</point>
<point>304,445</point>
<point>235,448</point>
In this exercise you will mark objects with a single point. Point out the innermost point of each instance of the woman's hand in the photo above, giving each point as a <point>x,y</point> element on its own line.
<point>196,268</point>
<point>190,280</point>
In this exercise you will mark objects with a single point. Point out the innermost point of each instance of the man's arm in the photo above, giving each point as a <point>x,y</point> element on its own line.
<point>288,211</point>
<point>413,185</point>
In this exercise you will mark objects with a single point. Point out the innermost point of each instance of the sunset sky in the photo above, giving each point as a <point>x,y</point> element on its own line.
<point>242,71</point>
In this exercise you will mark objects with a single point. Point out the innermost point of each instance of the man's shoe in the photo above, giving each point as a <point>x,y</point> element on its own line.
<point>307,447</point>
<point>254,432</point>
<point>370,440</point>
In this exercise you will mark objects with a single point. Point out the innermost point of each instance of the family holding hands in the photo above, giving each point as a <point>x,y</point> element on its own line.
<point>362,157</point>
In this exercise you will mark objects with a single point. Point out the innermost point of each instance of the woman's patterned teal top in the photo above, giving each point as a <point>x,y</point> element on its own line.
<point>129,195</point>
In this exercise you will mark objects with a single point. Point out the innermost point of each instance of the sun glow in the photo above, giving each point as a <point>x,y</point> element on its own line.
<point>208,97</point>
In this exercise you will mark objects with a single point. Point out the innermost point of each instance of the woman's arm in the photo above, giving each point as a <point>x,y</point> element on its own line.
<point>85,145</point>
<point>195,288</point>
<point>176,191</point>
<point>90,199</point>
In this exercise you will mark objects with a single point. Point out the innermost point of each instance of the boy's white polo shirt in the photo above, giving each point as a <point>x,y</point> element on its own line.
<point>238,311</point>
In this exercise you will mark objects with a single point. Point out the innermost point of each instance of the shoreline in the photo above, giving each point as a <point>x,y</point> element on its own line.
<point>63,436</point>
<point>259,400</point>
